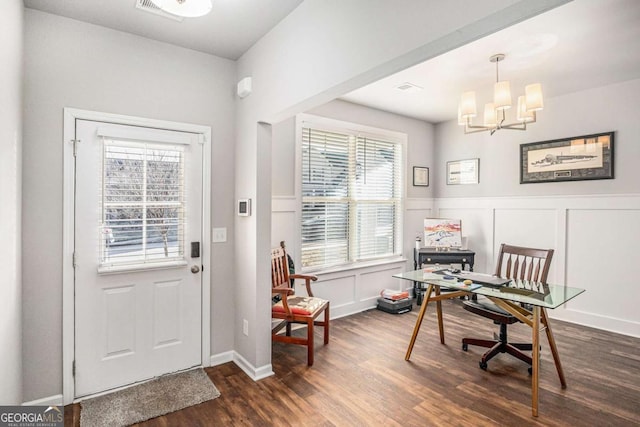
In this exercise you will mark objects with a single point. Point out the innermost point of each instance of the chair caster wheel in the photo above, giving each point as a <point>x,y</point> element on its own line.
<point>483,365</point>
<point>465,347</point>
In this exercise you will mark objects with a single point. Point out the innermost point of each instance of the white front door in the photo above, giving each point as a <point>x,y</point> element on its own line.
<point>138,222</point>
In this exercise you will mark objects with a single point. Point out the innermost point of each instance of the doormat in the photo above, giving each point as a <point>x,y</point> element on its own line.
<point>157,397</point>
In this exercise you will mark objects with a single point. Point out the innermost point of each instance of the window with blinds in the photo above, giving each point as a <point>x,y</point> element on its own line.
<point>142,204</point>
<point>351,197</point>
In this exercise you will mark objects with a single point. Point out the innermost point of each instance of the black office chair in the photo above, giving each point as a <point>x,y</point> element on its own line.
<point>514,262</point>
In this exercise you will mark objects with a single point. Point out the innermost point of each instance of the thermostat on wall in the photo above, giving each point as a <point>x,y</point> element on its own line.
<point>244,207</point>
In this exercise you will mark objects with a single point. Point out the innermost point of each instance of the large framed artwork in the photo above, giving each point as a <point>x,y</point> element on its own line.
<point>569,159</point>
<point>442,233</point>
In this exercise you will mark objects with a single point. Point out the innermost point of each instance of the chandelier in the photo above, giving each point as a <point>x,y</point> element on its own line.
<point>185,8</point>
<point>495,112</point>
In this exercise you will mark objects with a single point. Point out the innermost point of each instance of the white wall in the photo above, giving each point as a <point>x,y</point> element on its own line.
<point>11,49</point>
<point>594,226</point>
<point>73,64</point>
<point>318,52</point>
<point>352,290</point>
<point>608,108</point>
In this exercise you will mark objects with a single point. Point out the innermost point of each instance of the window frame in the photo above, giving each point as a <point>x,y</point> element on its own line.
<point>332,125</point>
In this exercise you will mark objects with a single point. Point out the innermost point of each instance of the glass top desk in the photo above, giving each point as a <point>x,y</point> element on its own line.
<point>510,298</point>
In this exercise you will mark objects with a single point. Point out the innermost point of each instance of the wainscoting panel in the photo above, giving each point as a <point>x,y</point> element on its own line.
<point>602,251</point>
<point>596,238</point>
<point>596,241</point>
<point>284,224</point>
<point>477,227</point>
<point>354,289</point>
<point>416,210</point>
<point>535,228</point>
<point>339,289</point>
<point>372,282</point>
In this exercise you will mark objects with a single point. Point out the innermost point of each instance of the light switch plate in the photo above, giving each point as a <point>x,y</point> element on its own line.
<point>219,235</point>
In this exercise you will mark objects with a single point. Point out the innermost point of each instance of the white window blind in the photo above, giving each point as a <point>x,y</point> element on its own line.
<point>351,197</point>
<point>143,203</point>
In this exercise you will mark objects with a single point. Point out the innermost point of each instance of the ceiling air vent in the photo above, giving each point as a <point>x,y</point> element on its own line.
<point>408,87</point>
<point>148,6</point>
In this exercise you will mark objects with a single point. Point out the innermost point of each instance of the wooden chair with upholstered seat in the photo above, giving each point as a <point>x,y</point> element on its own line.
<point>293,309</point>
<point>514,262</point>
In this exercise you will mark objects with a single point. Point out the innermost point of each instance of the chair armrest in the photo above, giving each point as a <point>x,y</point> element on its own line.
<point>285,291</point>
<point>307,281</point>
<point>282,291</point>
<point>303,276</point>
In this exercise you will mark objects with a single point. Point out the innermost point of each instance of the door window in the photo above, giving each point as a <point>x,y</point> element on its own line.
<point>142,204</point>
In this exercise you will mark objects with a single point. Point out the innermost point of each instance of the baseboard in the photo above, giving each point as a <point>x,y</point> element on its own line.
<point>55,400</point>
<point>596,321</point>
<point>353,308</point>
<point>220,358</point>
<point>254,373</point>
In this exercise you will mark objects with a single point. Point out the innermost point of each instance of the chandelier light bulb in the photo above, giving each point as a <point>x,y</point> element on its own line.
<point>533,94</point>
<point>524,115</point>
<point>502,95</point>
<point>490,118</point>
<point>468,105</point>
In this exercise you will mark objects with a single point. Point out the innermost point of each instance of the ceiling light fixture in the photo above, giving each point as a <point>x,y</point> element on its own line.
<point>494,112</point>
<point>186,8</point>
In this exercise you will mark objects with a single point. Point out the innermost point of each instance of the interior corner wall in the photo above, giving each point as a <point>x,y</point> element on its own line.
<point>588,223</point>
<point>11,54</point>
<point>320,51</point>
<point>69,63</point>
<point>356,289</point>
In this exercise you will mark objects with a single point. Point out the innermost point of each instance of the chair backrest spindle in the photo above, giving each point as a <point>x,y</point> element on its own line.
<point>508,272</point>
<point>279,268</point>
<point>523,263</point>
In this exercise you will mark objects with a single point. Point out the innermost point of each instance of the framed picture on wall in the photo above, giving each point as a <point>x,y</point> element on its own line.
<point>420,176</point>
<point>463,172</point>
<point>569,159</point>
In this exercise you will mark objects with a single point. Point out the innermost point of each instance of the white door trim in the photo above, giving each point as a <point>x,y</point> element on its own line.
<point>68,301</point>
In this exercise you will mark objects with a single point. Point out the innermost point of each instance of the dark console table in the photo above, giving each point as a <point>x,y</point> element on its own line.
<point>421,256</point>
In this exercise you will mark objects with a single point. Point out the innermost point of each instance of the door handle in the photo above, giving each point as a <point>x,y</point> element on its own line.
<point>195,269</point>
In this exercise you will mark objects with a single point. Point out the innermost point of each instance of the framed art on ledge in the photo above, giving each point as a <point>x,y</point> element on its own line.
<point>569,159</point>
<point>442,233</point>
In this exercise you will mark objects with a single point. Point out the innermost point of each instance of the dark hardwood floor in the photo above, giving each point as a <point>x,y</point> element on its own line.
<point>362,379</point>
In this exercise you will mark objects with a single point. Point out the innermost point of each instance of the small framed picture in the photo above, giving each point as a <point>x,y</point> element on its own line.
<point>463,172</point>
<point>420,176</point>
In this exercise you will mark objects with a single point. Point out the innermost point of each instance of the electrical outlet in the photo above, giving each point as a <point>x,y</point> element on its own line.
<point>245,327</point>
<point>219,235</point>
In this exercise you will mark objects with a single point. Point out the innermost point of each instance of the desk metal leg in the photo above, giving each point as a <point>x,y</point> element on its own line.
<point>416,328</point>
<point>554,349</point>
<point>535,360</point>
<point>439,311</point>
